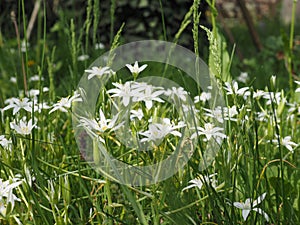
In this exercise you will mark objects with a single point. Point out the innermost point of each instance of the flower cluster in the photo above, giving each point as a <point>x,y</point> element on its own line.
<point>7,196</point>
<point>250,205</point>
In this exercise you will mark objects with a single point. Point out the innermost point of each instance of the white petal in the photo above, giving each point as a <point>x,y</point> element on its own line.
<point>245,213</point>
<point>91,76</point>
<point>290,148</point>
<point>148,104</point>
<point>142,67</point>
<point>126,100</point>
<point>239,205</point>
<point>188,187</point>
<point>259,199</point>
<point>16,109</point>
<point>129,67</point>
<point>176,133</point>
<point>260,211</point>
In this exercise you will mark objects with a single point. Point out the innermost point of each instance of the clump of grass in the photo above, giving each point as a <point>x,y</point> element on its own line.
<point>44,178</point>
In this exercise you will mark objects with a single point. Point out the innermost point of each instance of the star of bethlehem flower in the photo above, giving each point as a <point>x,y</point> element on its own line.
<point>272,97</point>
<point>18,104</point>
<point>286,142</point>
<point>83,57</point>
<point>158,131</point>
<point>6,194</point>
<point>99,46</point>
<point>23,128</point>
<point>258,93</point>
<point>13,80</point>
<point>148,96</point>
<point>6,144</point>
<point>177,93</point>
<point>209,130</point>
<point>99,71</point>
<point>243,77</point>
<point>203,97</point>
<point>35,78</point>
<point>136,114</point>
<point>189,108</point>
<point>233,88</point>
<point>230,113</point>
<point>135,69</point>
<point>33,93</point>
<point>246,207</point>
<point>136,92</point>
<point>262,116</point>
<point>123,91</point>
<point>99,125</point>
<point>39,107</point>
<point>201,180</point>
<point>65,103</point>
<point>216,113</point>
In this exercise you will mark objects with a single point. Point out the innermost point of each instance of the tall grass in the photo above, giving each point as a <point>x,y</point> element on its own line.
<point>60,187</point>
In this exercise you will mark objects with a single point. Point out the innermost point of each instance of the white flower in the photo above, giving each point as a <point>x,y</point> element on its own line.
<point>100,125</point>
<point>204,96</point>
<point>6,144</point>
<point>230,113</point>
<point>179,92</point>
<point>198,182</point>
<point>243,77</point>
<point>148,96</point>
<point>23,128</point>
<point>135,69</point>
<point>142,86</point>
<point>99,46</point>
<point>286,142</point>
<point>45,89</point>
<point>98,71</point>
<point>6,191</point>
<point>262,116</point>
<point>36,78</point>
<point>18,104</point>
<point>216,113</point>
<point>33,93</point>
<point>13,80</point>
<point>83,57</point>
<point>24,45</point>
<point>247,207</point>
<point>123,91</point>
<point>234,89</point>
<point>258,94</point>
<point>41,106</point>
<point>293,107</point>
<point>65,103</point>
<point>273,80</point>
<point>136,114</point>
<point>189,108</point>
<point>157,131</point>
<point>272,97</point>
<point>209,131</point>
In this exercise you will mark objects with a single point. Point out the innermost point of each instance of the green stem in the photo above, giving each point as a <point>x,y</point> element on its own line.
<point>112,19</point>
<point>24,68</point>
<point>96,12</point>
<point>292,31</point>
<point>196,17</point>
<point>163,21</point>
<point>135,204</point>
<point>109,200</point>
